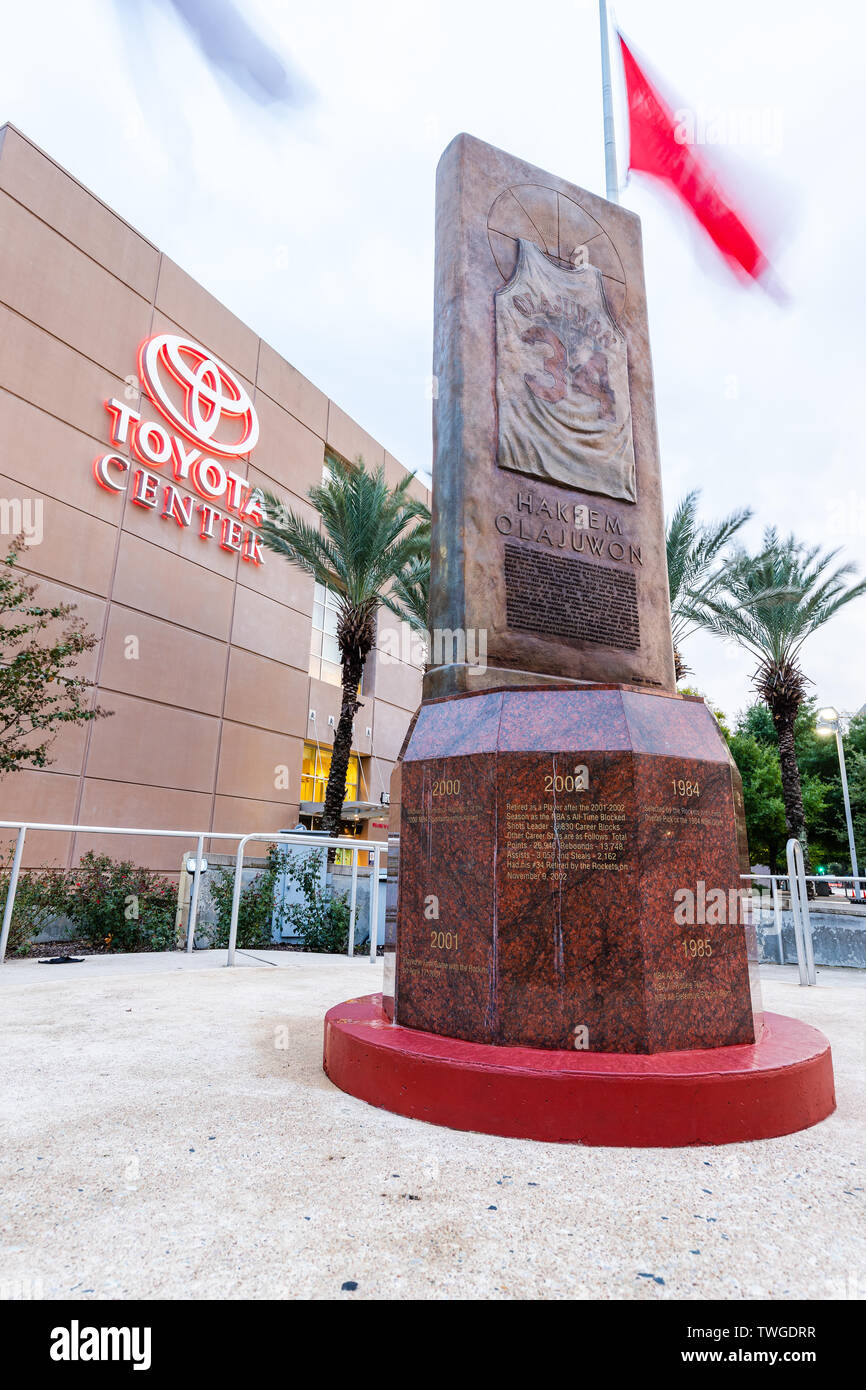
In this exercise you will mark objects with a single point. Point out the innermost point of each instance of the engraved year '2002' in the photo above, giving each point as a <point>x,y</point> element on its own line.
<point>576,781</point>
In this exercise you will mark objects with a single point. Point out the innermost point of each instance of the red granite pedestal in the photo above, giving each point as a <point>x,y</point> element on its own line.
<point>572,939</point>
<point>720,1095</point>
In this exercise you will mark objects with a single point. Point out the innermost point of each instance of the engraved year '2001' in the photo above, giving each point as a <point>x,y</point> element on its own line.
<point>444,940</point>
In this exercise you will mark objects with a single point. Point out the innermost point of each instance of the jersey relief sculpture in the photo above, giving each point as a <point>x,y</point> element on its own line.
<point>562,379</point>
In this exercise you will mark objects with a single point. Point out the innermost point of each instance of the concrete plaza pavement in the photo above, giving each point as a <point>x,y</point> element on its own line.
<point>168,1132</point>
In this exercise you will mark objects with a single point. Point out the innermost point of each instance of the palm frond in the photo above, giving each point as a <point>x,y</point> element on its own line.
<point>369,533</point>
<point>695,554</point>
<point>771,602</point>
<point>410,595</point>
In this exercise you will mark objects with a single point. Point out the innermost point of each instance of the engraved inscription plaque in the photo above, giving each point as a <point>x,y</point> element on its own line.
<point>562,389</point>
<point>571,598</point>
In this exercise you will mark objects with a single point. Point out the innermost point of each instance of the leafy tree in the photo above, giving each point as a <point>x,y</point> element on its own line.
<point>762,796</point>
<point>755,747</point>
<point>695,552</point>
<point>819,754</point>
<point>758,722</point>
<point>365,543</point>
<point>855,758</point>
<point>818,761</point>
<point>770,603</point>
<point>720,717</point>
<point>38,690</point>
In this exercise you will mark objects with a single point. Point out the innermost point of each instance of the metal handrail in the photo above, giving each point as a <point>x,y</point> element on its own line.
<point>800,910</point>
<point>321,842</point>
<point>777,907</point>
<point>23,826</point>
<point>306,840</point>
<point>815,878</point>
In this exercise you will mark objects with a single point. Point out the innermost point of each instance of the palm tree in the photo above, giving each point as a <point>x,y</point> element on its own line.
<point>770,603</point>
<point>412,591</point>
<point>694,551</point>
<point>364,543</point>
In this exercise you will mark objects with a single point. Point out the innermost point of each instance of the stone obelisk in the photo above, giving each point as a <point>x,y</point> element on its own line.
<point>570,827</point>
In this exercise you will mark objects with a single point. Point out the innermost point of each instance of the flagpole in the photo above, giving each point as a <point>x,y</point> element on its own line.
<point>610,173</point>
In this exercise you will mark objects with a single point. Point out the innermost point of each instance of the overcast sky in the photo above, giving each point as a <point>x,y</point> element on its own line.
<point>315,225</point>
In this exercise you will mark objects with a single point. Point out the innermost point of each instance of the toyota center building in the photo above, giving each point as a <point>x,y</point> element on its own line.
<point>140,422</point>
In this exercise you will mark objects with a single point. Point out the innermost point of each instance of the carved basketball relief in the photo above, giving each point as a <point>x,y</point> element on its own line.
<point>559,227</point>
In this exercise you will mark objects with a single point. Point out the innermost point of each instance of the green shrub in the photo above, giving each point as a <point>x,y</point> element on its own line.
<point>256,908</point>
<point>117,906</point>
<point>39,900</point>
<point>322,919</point>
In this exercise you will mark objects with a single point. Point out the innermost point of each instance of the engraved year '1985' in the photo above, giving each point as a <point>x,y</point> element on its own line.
<point>699,948</point>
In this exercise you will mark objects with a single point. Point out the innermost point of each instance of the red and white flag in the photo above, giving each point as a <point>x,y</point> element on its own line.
<point>657,148</point>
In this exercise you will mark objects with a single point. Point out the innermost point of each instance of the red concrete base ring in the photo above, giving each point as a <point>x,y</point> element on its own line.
<point>719,1095</point>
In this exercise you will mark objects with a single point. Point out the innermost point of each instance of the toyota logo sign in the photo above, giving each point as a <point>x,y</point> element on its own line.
<point>211,394</point>
<point>190,474</point>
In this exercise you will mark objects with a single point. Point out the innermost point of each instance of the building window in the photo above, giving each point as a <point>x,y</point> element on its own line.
<point>324,651</point>
<point>314,774</point>
<point>324,648</point>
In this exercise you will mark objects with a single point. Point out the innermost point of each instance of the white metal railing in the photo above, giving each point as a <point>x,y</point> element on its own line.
<point>797,878</point>
<point>372,847</point>
<point>774,879</point>
<point>800,912</point>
